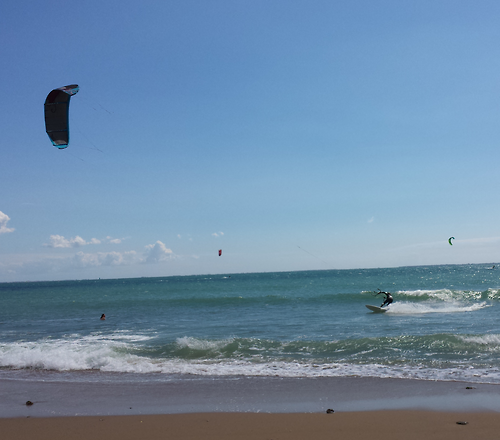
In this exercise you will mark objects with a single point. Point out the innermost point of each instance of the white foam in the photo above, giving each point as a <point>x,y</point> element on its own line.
<point>407,308</point>
<point>444,293</point>
<point>61,356</point>
<point>201,344</point>
<point>114,354</point>
<point>447,294</point>
<point>93,352</point>
<point>493,340</point>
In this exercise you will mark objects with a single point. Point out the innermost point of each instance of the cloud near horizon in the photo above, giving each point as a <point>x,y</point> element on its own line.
<point>34,265</point>
<point>157,252</point>
<point>58,241</point>
<point>82,259</point>
<point>4,219</point>
<point>154,253</point>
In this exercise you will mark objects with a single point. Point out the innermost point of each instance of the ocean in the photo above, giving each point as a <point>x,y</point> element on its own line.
<point>443,325</point>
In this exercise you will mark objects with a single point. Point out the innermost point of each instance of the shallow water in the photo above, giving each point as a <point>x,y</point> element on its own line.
<point>442,325</point>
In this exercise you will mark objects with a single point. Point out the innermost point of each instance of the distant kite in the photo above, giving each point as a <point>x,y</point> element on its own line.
<point>449,240</point>
<point>56,114</point>
<point>220,252</point>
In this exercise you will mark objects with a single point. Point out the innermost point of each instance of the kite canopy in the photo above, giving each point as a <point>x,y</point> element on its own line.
<point>220,252</point>
<point>449,240</point>
<point>56,114</point>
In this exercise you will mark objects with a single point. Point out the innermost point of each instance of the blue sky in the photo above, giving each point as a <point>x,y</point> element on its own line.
<point>293,135</point>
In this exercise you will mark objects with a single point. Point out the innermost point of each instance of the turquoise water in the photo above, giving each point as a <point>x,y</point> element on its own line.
<point>442,325</point>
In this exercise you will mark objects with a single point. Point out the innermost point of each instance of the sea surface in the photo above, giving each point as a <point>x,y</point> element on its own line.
<point>444,324</point>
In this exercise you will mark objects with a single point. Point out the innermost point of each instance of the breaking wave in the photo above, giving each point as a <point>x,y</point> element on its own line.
<point>432,357</point>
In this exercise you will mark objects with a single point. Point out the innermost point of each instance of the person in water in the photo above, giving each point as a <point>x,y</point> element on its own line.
<point>103,317</point>
<point>388,298</point>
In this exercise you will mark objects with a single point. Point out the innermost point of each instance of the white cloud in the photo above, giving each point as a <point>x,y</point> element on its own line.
<point>218,234</point>
<point>58,241</point>
<point>4,219</point>
<point>82,259</point>
<point>371,220</point>
<point>157,252</point>
<point>62,264</point>
<point>112,240</point>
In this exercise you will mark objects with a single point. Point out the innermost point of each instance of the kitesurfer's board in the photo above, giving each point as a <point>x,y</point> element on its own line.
<point>376,309</point>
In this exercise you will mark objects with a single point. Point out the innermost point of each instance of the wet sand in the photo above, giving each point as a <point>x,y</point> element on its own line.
<point>55,395</point>
<point>373,425</point>
<point>109,406</point>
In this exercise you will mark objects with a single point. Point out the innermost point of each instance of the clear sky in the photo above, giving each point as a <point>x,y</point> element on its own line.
<point>293,135</point>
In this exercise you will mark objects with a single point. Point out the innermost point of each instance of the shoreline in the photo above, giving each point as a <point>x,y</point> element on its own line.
<point>374,425</point>
<point>246,408</point>
<point>53,395</point>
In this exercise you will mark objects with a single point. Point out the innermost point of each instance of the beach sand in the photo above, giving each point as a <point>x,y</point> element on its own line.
<point>112,407</point>
<point>373,425</point>
<point>117,395</point>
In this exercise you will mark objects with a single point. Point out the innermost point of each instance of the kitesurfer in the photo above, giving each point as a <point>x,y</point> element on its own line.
<point>388,298</point>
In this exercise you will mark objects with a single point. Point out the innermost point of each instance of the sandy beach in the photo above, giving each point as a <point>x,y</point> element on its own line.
<point>247,408</point>
<point>373,425</point>
<point>101,394</point>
